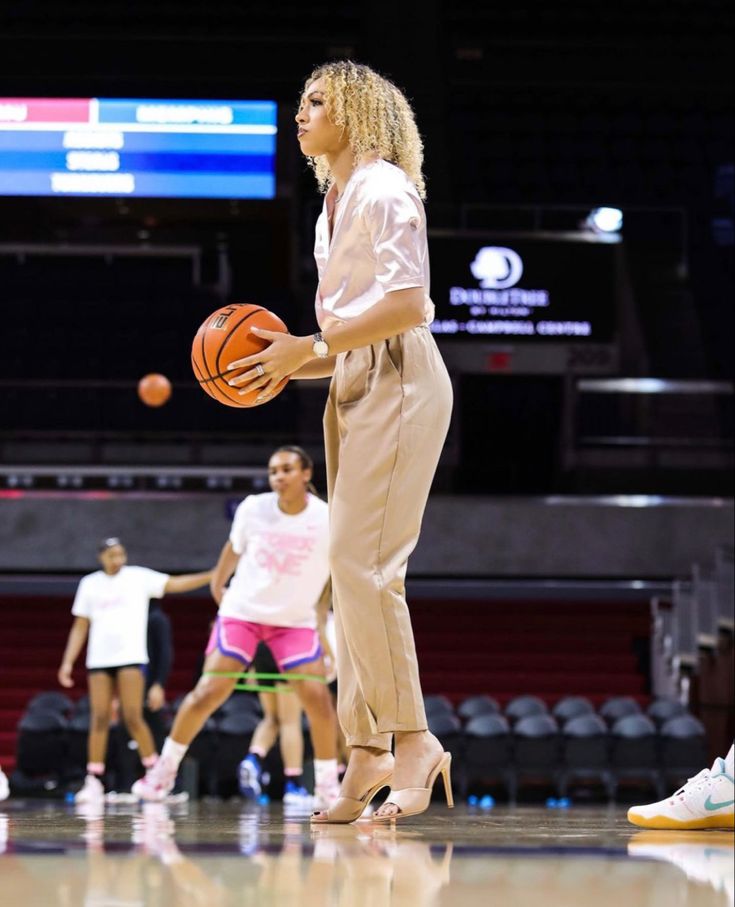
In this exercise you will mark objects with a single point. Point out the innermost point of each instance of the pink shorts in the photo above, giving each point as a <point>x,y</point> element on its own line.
<point>291,646</point>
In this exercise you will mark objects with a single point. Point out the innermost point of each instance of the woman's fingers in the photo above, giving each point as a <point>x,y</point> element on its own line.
<point>266,334</point>
<point>247,362</point>
<point>251,375</point>
<point>267,391</point>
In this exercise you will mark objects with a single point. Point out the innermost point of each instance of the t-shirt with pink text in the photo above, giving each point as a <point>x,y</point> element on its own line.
<point>284,562</point>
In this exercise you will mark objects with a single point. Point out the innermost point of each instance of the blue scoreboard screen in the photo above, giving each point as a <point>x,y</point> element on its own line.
<point>150,148</point>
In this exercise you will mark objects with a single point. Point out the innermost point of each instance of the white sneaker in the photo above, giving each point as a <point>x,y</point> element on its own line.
<point>296,797</point>
<point>705,801</point>
<point>93,791</point>
<point>157,783</point>
<point>4,786</point>
<point>177,799</point>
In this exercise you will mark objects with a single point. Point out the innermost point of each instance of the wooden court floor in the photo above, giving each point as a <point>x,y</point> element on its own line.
<point>214,854</point>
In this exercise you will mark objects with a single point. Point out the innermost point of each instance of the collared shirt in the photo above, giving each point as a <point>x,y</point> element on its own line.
<point>377,243</point>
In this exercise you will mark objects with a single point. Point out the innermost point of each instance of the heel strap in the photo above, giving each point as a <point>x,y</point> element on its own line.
<point>406,797</point>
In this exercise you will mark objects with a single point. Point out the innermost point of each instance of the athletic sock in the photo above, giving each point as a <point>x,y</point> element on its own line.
<point>293,776</point>
<point>149,761</point>
<point>96,768</point>
<point>730,762</point>
<point>173,752</point>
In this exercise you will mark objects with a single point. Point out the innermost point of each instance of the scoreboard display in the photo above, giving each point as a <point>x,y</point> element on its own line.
<point>543,288</point>
<point>150,148</point>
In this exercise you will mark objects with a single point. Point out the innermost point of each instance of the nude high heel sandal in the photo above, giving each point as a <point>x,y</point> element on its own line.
<point>348,809</point>
<point>414,800</point>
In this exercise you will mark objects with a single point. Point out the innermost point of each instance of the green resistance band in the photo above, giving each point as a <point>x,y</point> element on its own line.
<point>243,685</point>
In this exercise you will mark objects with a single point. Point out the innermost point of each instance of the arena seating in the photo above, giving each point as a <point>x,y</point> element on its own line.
<point>547,650</point>
<point>491,751</point>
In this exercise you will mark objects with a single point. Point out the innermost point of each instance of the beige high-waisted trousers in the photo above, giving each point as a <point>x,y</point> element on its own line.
<point>385,424</point>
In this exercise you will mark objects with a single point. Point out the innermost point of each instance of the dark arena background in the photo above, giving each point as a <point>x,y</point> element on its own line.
<point>576,556</point>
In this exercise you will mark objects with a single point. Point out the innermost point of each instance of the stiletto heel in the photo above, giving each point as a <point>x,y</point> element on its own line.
<point>411,801</point>
<point>348,809</point>
<point>447,779</point>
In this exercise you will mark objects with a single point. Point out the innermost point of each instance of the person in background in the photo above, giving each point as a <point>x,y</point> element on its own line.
<point>282,713</point>
<point>276,564</point>
<point>111,607</point>
<point>160,659</point>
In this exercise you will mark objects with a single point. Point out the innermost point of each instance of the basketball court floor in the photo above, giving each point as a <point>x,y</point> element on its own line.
<point>217,854</point>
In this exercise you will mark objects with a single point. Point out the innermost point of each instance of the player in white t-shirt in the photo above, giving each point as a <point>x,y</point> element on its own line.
<point>111,606</point>
<point>277,562</point>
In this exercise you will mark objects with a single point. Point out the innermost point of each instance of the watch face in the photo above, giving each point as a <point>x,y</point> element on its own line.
<point>321,348</point>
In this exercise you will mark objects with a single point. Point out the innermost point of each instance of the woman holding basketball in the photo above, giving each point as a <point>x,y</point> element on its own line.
<point>385,423</point>
<point>111,606</point>
<point>276,562</point>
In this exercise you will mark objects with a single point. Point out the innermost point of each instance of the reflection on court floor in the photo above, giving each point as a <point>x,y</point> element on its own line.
<point>219,855</point>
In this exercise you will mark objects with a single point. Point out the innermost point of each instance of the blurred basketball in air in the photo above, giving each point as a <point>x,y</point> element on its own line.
<point>154,389</point>
<point>224,337</point>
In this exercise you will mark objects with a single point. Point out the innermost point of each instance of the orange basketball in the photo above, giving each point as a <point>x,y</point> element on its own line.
<point>224,337</point>
<point>154,389</point>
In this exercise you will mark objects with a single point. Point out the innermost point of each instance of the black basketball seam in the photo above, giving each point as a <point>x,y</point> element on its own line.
<point>232,331</point>
<point>202,381</point>
<point>222,396</point>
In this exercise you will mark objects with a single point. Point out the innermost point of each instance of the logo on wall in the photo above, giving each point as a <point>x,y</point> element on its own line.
<point>497,268</point>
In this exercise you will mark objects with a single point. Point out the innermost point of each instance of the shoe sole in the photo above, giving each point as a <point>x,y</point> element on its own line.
<point>148,799</point>
<point>666,822</point>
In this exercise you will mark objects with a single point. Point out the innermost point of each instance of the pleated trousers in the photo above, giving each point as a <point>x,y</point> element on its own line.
<point>385,424</point>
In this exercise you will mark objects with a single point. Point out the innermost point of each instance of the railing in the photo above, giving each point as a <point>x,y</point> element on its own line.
<point>648,423</point>
<point>690,623</point>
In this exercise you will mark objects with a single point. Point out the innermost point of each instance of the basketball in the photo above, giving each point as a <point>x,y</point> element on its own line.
<point>154,389</point>
<point>225,336</point>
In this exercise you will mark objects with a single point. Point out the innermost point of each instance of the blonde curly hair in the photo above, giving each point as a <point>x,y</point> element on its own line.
<point>376,115</point>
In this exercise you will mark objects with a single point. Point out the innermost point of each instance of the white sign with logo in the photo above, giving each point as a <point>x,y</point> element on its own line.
<point>499,306</point>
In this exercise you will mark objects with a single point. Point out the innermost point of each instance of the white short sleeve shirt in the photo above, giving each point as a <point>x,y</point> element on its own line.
<point>378,244</point>
<point>117,609</point>
<point>284,562</point>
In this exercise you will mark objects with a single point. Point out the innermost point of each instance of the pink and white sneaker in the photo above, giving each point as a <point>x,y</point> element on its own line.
<point>326,794</point>
<point>157,783</point>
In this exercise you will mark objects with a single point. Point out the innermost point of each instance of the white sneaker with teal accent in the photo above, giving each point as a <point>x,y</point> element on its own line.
<point>705,801</point>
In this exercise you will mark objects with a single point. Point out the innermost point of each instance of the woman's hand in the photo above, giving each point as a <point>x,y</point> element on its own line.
<point>64,675</point>
<point>266,369</point>
<point>156,698</point>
